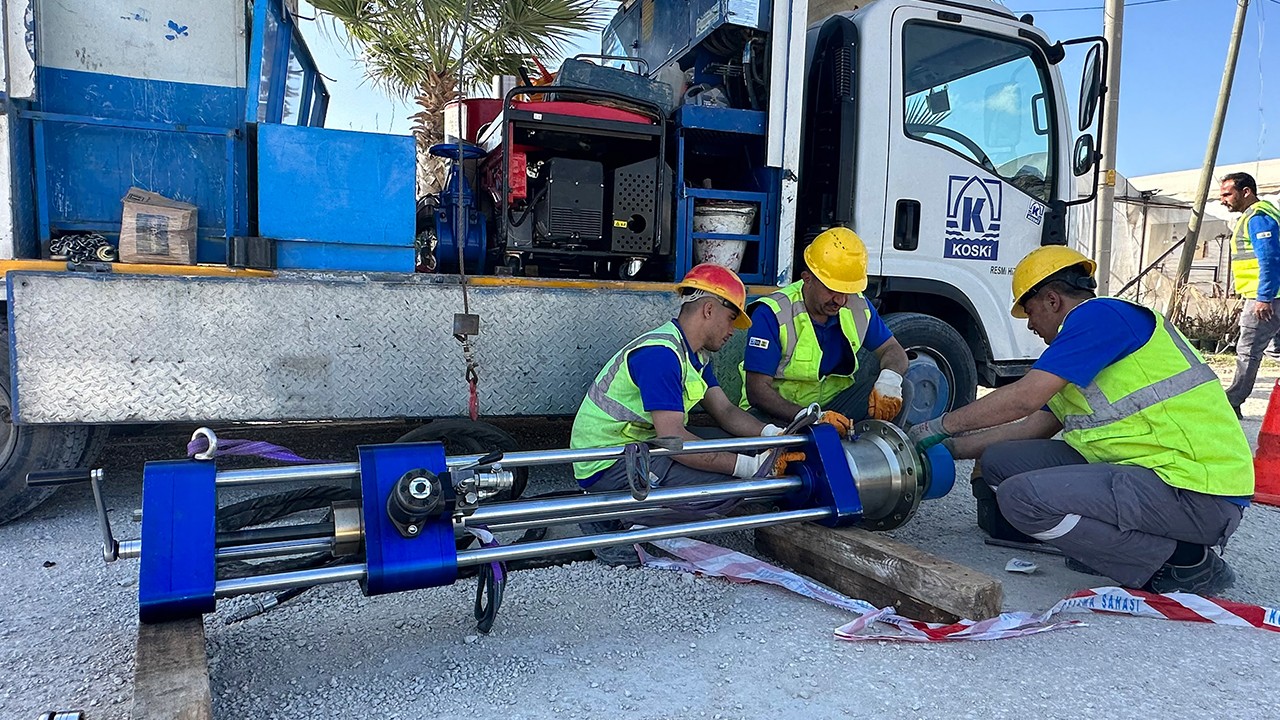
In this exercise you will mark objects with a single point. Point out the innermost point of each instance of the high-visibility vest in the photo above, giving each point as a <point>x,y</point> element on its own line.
<point>1162,408</point>
<point>1244,261</point>
<point>797,377</point>
<point>613,413</point>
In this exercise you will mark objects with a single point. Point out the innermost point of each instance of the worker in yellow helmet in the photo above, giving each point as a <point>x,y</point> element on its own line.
<point>1152,472</point>
<point>646,390</point>
<point>818,340</point>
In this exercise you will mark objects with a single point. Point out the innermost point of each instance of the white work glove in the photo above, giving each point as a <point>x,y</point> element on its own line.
<point>771,430</point>
<point>886,396</point>
<point>746,466</point>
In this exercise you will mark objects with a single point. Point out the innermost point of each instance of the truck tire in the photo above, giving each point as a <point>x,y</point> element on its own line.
<point>469,437</point>
<point>26,448</point>
<point>940,364</point>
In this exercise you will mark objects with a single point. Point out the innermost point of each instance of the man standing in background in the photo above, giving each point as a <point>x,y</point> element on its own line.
<point>1255,265</point>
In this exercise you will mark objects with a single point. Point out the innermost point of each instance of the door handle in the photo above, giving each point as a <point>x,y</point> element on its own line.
<point>906,225</point>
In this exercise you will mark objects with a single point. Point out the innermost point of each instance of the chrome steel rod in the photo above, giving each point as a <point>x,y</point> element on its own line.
<point>344,573</point>
<point>351,471</point>
<point>593,517</point>
<point>284,581</point>
<point>305,473</point>
<point>587,542</point>
<point>562,507</point>
<point>556,457</point>
<point>276,533</point>
<point>272,549</point>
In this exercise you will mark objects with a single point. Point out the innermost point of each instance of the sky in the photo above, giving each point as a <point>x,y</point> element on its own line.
<point>1172,58</point>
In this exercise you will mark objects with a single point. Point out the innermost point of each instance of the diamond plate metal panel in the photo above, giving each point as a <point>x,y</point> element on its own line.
<point>122,348</point>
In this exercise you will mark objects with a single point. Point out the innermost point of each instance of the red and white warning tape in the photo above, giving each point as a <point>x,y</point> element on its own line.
<point>885,624</point>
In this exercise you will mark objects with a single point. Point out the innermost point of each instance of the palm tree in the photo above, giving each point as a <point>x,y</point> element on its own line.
<point>412,49</point>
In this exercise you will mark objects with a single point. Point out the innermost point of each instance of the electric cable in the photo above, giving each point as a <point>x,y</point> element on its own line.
<point>1096,7</point>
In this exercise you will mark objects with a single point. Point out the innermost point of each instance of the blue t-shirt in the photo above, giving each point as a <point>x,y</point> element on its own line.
<point>764,351</point>
<point>657,373</point>
<point>1097,334</point>
<point>1265,235</point>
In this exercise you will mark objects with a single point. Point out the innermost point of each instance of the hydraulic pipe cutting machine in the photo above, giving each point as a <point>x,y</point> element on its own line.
<point>396,516</point>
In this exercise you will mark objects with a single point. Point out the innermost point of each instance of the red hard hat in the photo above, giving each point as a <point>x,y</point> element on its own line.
<point>721,282</point>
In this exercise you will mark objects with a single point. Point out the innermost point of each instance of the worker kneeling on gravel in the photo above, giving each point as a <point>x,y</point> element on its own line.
<point>1153,471</point>
<point>819,340</point>
<point>647,389</point>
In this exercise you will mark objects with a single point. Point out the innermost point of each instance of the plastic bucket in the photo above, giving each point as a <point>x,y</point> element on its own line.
<point>724,217</point>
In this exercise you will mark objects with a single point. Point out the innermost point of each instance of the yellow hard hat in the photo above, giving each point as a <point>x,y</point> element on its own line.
<point>838,258</point>
<point>1040,264</point>
<point>721,282</point>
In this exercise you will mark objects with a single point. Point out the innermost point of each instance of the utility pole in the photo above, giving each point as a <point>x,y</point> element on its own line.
<point>1192,240</point>
<point>1113,30</point>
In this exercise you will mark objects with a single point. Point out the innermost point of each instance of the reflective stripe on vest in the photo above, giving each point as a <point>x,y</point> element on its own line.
<point>1170,415</point>
<point>599,390</point>
<point>612,413</point>
<point>1244,261</point>
<point>799,380</point>
<point>1106,412</point>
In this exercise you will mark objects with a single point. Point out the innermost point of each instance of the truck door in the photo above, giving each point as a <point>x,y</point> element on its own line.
<point>974,146</point>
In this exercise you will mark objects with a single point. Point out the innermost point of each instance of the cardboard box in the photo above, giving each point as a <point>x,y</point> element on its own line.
<point>155,229</point>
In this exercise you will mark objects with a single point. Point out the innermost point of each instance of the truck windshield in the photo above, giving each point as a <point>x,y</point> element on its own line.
<point>983,97</point>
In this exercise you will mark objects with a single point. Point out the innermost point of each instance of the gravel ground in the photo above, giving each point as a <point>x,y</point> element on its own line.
<point>585,641</point>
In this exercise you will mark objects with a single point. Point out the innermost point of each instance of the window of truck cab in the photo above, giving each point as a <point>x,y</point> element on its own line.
<point>985,98</point>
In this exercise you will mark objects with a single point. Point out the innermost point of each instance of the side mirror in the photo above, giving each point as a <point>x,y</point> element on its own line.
<point>1084,156</point>
<point>1090,88</point>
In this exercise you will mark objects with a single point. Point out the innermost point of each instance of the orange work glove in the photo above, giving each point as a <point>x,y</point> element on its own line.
<point>841,423</point>
<point>785,457</point>
<point>886,397</point>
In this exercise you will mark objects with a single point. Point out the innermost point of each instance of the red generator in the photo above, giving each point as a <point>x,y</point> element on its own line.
<point>579,184</point>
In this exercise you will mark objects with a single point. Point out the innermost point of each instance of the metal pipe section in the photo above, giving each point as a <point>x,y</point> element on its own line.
<point>351,471</point>
<point>578,504</point>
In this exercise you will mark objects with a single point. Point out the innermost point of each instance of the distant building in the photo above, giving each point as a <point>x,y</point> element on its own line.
<point>1152,213</point>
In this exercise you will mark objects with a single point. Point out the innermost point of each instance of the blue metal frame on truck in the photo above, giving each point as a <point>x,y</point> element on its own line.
<point>104,114</point>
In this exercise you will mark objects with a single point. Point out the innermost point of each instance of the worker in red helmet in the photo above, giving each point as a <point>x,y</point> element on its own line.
<point>647,389</point>
<point>819,341</point>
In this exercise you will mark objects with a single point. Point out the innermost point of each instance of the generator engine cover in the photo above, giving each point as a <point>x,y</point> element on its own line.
<point>570,203</point>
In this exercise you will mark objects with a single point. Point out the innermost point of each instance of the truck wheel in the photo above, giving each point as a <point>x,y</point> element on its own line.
<point>26,448</point>
<point>941,367</point>
<point>471,437</point>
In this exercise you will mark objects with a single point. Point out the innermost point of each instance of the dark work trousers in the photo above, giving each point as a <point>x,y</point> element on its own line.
<point>1120,520</point>
<point>1255,335</point>
<point>666,473</point>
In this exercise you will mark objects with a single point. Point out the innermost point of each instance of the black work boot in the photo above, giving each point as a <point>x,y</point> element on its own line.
<point>1210,576</point>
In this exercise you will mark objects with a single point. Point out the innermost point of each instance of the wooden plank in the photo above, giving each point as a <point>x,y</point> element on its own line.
<point>882,571</point>
<point>171,675</point>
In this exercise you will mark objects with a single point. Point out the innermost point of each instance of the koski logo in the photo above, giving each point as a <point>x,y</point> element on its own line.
<point>973,218</point>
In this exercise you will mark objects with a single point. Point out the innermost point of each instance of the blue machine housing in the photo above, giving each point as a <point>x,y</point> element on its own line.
<point>828,481</point>
<point>395,563</point>
<point>124,99</point>
<point>941,468</point>
<point>176,578</point>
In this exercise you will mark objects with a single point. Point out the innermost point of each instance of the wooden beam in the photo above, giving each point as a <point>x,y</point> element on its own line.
<point>884,572</point>
<point>171,676</point>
